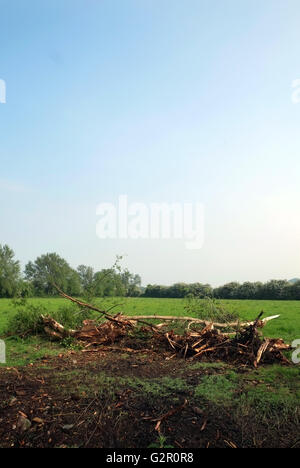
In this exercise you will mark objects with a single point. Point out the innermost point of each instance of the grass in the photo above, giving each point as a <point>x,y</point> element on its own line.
<point>218,389</point>
<point>21,352</point>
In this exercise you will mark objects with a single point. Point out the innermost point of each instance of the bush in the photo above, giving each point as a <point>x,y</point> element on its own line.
<point>210,309</point>
<point>27,319</point>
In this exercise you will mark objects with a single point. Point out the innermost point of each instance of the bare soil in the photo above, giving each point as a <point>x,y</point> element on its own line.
<point>114,397</point>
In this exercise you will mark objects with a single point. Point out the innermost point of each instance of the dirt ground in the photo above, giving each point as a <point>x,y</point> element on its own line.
<point>112,398</point>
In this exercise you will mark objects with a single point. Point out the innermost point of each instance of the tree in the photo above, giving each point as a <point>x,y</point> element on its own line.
<point>131,283</point>
<point>200,290</point>
<point>228,291</point>
<point>276,289</point>
<point>49,270</point>
<point>10,272</point>
<point>155,290</point>
<point>108,282</point>
<point>86,276</point>
<point>295,290</point>
<point>250,290</point>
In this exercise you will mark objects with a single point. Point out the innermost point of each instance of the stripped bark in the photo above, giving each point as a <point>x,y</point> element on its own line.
<point>174,318</point>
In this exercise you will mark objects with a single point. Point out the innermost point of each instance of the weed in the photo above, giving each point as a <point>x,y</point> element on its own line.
<point>160,443</point>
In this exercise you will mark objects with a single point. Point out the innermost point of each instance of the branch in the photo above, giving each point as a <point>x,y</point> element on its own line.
<point>195,320</point>
<point>119,322</point>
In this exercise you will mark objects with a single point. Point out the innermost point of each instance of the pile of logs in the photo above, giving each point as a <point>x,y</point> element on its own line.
<point>247,346</point>
<point>244,345</point>
<point>91,332</point>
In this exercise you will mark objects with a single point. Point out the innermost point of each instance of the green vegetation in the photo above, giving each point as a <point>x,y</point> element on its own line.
<point>21,352</point>
<point>208,365</point>
<point>10,272</point>
<point>272,290</point>
<point>27,317</point>
<point>219,389</point>
<point>210,309</point>
<point>47,271</point>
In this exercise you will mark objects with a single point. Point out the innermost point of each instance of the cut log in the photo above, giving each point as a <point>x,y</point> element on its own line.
<point>59,329</point>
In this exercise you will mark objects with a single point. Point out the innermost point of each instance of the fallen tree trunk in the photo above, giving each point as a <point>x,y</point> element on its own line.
<point>174,318</point>
<point>91,332</point>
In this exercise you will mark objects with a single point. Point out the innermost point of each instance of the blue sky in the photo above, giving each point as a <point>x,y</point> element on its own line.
<point>162,100</point>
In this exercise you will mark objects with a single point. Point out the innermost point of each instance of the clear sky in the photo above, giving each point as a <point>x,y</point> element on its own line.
<point>162,100</point>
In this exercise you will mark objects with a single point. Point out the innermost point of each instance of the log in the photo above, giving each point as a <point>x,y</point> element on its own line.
<point>57,328</point>
<point>53,334</point>
<point>174,318</point>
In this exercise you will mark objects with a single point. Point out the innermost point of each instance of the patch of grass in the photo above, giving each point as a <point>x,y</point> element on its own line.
<point>105,384</point>
<point>277,375</point>
<point>162,387</point>
<point>20,352</point>
<point>77,381</point>
<point>273,392</point>
<point>208,365</point>
<point>218,389</point>
<point>270,403</point>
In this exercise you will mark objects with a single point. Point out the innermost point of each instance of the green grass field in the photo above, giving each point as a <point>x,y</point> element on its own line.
<point>287,326</point>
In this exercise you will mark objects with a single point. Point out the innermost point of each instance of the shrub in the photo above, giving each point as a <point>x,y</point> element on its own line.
<point>210,309</point>
<point>27,319</point>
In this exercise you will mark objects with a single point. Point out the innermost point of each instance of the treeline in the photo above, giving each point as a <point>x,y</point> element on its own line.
<point>272,290</point>
<point>40,276</point>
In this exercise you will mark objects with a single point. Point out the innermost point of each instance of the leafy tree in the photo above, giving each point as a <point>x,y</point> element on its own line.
<point>228,291</point>
<point>200,290</point>
<point>178,290</point>
<point>131,283</point>
<point>295,291</point>
<point>73,286</point>
<point>86,276</point>
<point>9,272</point>
<point>108,282</point>
<point>249,290</point>
<point>155,290</point>
<point>276,289</point>
<point>49,270</point>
